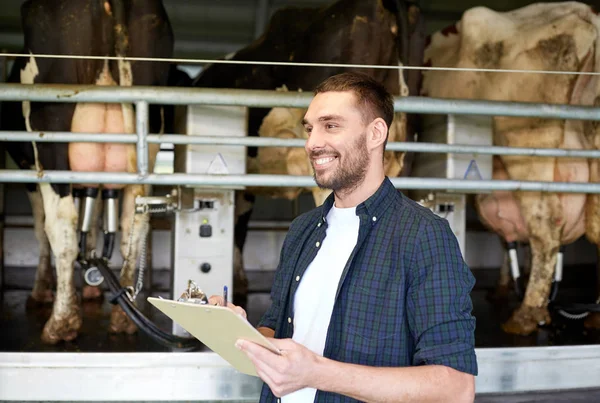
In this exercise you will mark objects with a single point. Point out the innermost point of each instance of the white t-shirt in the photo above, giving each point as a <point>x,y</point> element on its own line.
<point>314,299</point>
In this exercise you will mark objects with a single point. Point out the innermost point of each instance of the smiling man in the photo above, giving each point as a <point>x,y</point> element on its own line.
<point>371,299</point>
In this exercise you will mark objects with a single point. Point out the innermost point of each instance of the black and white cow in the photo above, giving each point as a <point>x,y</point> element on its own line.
<point>135,28</point>
<point>366,32</point>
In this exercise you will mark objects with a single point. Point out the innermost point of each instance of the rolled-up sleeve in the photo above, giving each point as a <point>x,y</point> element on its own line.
<point>439,302</point>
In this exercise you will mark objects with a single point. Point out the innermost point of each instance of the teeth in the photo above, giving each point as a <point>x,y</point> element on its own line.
<point>322,161</point>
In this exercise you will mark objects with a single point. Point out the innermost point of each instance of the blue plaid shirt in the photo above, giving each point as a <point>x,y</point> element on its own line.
<point>404,295</point>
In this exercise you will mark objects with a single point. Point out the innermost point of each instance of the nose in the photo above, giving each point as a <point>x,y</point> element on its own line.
<point>315,141</point>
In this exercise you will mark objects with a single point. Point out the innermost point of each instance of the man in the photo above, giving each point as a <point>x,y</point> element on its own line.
<point>371,297</point>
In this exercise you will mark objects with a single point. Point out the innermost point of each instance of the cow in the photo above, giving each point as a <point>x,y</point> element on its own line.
<point>134,28</point>
<point>543,36</point>
<point>362,32</point>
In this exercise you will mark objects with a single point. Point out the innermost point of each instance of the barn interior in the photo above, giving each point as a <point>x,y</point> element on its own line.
<point>207,30</point>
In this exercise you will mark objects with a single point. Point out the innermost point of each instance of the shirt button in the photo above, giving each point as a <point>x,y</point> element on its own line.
<point>289,320</point>
<point>318,244</point>
<point>319,224</point>
<point>374,218</point>
<point>297,278</point>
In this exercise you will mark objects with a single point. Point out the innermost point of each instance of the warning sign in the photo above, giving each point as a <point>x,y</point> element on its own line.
<point>472,171</point>
<point>218,165</point>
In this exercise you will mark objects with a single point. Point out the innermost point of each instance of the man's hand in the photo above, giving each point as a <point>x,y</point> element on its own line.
<point>294,369</point>
<point>218,300</point>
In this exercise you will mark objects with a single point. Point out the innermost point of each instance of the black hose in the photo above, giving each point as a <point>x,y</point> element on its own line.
<point>109,244</point>
<point>577,307</point>
<point>122,298</point>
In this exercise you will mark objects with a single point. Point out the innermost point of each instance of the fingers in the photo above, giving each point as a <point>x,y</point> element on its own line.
<point>218,300</point>
<point>238,309</point>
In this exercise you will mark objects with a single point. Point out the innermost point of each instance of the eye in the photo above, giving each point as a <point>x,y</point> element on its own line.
<point>330,126</point>
<point>308,129</point>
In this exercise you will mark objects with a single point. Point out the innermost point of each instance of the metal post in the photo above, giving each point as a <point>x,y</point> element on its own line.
<point>141,115</point>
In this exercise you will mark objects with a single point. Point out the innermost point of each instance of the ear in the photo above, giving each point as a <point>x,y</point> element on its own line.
<point>377,133</point>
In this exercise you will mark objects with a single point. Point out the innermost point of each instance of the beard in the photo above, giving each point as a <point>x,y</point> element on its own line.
<point>350,170</point>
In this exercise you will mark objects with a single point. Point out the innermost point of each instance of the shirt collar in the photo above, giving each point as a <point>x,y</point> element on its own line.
<point>373,207</point>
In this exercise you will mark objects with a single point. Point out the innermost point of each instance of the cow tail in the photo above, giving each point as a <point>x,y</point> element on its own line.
<point>402,41</point>
<point>120,27</point>
<point>121,50</point>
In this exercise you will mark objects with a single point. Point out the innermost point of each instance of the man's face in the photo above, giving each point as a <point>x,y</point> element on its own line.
<point>337,142</point>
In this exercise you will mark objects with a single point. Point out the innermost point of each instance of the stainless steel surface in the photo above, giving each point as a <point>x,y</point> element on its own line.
<point>111,215</point>
<point>234,181</point>
<point>88,212</point>
<point>472,131</point>
<point>424,147</point>
<point>65,137</point>
<point>208,157</point>
<point>291,99</point>
<point>206,260</point>
<point>205,376</point>
<point>141,114</point>
<point>251,141</point>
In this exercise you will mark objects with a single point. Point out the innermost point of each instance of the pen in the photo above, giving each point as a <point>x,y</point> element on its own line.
<point>224,295</point>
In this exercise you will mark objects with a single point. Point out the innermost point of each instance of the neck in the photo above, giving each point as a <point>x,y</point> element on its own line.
<point>365,189</point>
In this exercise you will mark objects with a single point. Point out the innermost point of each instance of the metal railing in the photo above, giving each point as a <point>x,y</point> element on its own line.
<point>142,96</point>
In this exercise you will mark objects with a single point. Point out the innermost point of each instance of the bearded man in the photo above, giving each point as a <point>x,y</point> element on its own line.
<point>371,299</point>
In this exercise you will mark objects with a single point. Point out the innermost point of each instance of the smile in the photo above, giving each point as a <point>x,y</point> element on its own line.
<point>322,161</point>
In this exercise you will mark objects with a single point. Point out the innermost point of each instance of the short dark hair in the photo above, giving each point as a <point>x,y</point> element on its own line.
<point>371,96</point>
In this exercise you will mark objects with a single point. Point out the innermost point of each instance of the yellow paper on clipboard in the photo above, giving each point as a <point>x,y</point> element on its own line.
<point>217,327</point>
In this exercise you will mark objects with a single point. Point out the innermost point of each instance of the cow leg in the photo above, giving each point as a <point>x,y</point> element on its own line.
<point>60,226</point>
<point>44,279</point>
<point>543,214</point>
<point>132,227</point>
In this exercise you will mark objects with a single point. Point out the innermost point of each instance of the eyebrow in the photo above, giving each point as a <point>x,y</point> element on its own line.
<point>324,118</point>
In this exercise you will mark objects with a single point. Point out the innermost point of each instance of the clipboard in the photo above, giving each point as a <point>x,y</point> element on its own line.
<point>218,327</point>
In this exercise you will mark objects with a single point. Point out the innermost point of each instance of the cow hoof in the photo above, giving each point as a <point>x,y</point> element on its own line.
<point>39,298</point>
<point>525,320</point>
<point>120,322</point>
<point>62,329</point>
<point>92,293</point>
<point>592,321</point>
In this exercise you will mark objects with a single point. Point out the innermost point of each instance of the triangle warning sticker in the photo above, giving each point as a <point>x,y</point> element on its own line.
<point>218,165</point>
<point>472,171</point>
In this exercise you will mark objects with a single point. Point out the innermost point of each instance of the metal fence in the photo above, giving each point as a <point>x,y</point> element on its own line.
<point>143,96</point>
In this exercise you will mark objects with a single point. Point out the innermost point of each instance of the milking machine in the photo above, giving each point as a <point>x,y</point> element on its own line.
<point>203,221</point>
<point>572,311</point>
<point>96,268</point>
<point>474,130</point>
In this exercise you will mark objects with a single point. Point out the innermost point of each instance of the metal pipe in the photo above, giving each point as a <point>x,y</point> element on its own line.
<point>291,99</point>
<point>234,181</point>
<point>251,141</point>
<point>163,95</point>
<point>141,114</point>
<point>65,137</point>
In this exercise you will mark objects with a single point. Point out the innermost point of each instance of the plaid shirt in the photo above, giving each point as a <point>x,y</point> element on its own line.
<point>404,295</point>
